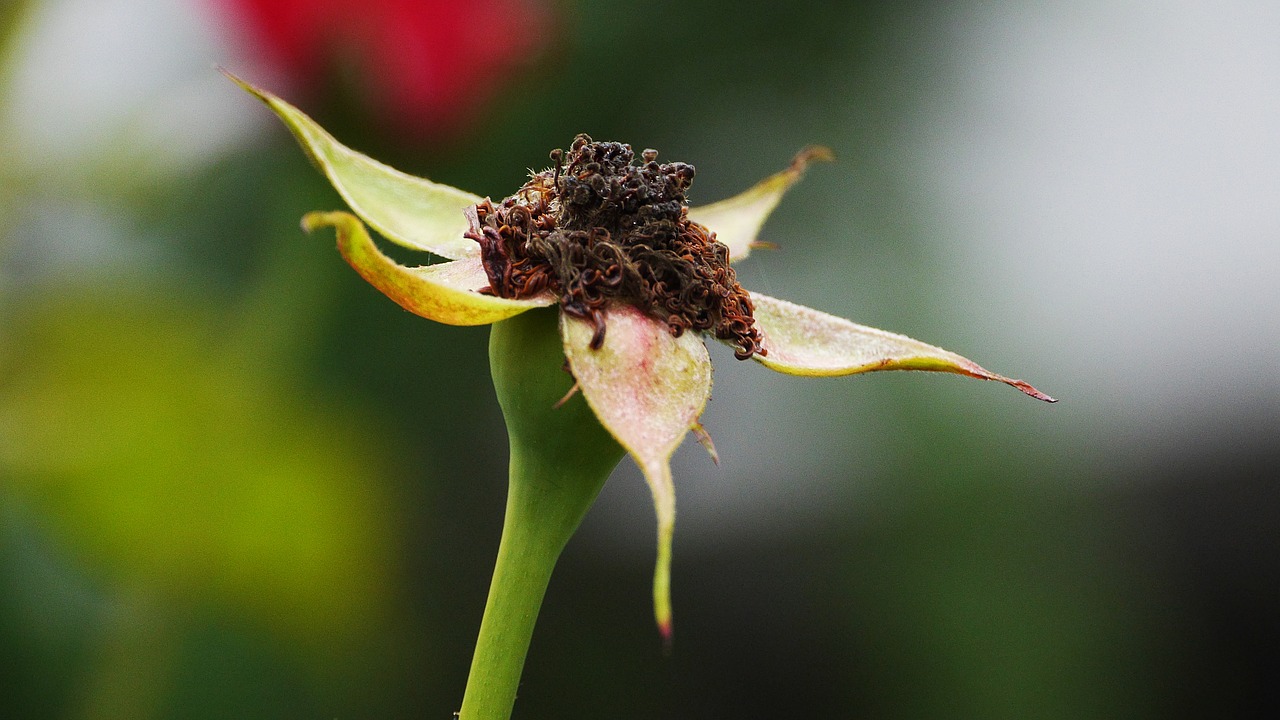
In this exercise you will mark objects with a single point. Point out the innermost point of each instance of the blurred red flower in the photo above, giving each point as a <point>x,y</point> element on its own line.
<point>429,66</point>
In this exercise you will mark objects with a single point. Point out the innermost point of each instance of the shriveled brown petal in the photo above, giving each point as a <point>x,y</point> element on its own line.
<point>445,293</point>
<point>736,221</point>
<point>410,211</point>
<point>648,389</point>
<point>804,341</point>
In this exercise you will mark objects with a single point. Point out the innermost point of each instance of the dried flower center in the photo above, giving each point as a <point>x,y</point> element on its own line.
<point>598,228</point>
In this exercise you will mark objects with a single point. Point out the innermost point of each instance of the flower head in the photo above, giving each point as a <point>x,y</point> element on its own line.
<point>426,69</point>
<point>599,230</point>
<point>639,277</point>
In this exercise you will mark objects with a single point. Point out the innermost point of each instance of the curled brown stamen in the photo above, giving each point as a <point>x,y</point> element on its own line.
<point>596,228</point>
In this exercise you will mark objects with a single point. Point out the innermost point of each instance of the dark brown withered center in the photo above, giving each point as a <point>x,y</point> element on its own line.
<point>597,228</point>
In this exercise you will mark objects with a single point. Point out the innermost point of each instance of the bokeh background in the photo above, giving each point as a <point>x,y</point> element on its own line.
<point>235,481</point>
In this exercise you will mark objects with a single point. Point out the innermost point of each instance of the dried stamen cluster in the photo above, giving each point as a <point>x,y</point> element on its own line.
<point>597,228</point>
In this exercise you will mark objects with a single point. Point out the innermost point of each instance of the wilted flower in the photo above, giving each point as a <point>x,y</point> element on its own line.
<point>639,277</point>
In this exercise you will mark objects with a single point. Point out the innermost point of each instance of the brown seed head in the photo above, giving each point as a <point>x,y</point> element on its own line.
<point>598,228</point>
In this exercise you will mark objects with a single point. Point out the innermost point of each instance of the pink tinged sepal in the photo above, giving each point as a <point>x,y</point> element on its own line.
<point>647,388</point>
<point>804,341</point>
<point>446,293</point>
<point>736,221</point>
<point>410,211</point>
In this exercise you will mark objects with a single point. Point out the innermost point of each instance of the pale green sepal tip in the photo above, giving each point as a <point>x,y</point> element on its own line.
<point>803,341</point>
<point>736,221</point>
<point>410,211</point>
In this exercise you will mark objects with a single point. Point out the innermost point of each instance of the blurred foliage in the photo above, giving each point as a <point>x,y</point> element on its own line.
<point>165,456</point>
<point>10,15</point>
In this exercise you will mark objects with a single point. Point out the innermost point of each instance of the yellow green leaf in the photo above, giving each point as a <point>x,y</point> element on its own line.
<point>647,388</point>
<point>736,221</point>
<point>446,293</point>
<point>410,211</point>
<point>804,341</point>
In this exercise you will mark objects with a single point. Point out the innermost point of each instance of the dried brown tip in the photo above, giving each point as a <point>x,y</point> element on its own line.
<point>812,154</point>
<point>704,439</point>
<point>1029,390</point>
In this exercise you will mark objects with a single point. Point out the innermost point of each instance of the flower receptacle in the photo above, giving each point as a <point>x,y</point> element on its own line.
<point>560,458</point>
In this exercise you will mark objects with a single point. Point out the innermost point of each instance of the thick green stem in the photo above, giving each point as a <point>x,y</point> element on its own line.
<point>560,458</point>
<point>539,520</point>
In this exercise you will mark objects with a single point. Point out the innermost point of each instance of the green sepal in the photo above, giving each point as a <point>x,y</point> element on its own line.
<point>737,221</point>
<point>799,340</point>
<point>410,211</point>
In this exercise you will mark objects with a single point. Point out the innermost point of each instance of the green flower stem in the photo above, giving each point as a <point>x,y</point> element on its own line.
<point>560,458</point>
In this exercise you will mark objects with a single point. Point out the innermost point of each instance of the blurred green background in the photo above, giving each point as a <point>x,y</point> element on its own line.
<point>235,481</point>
